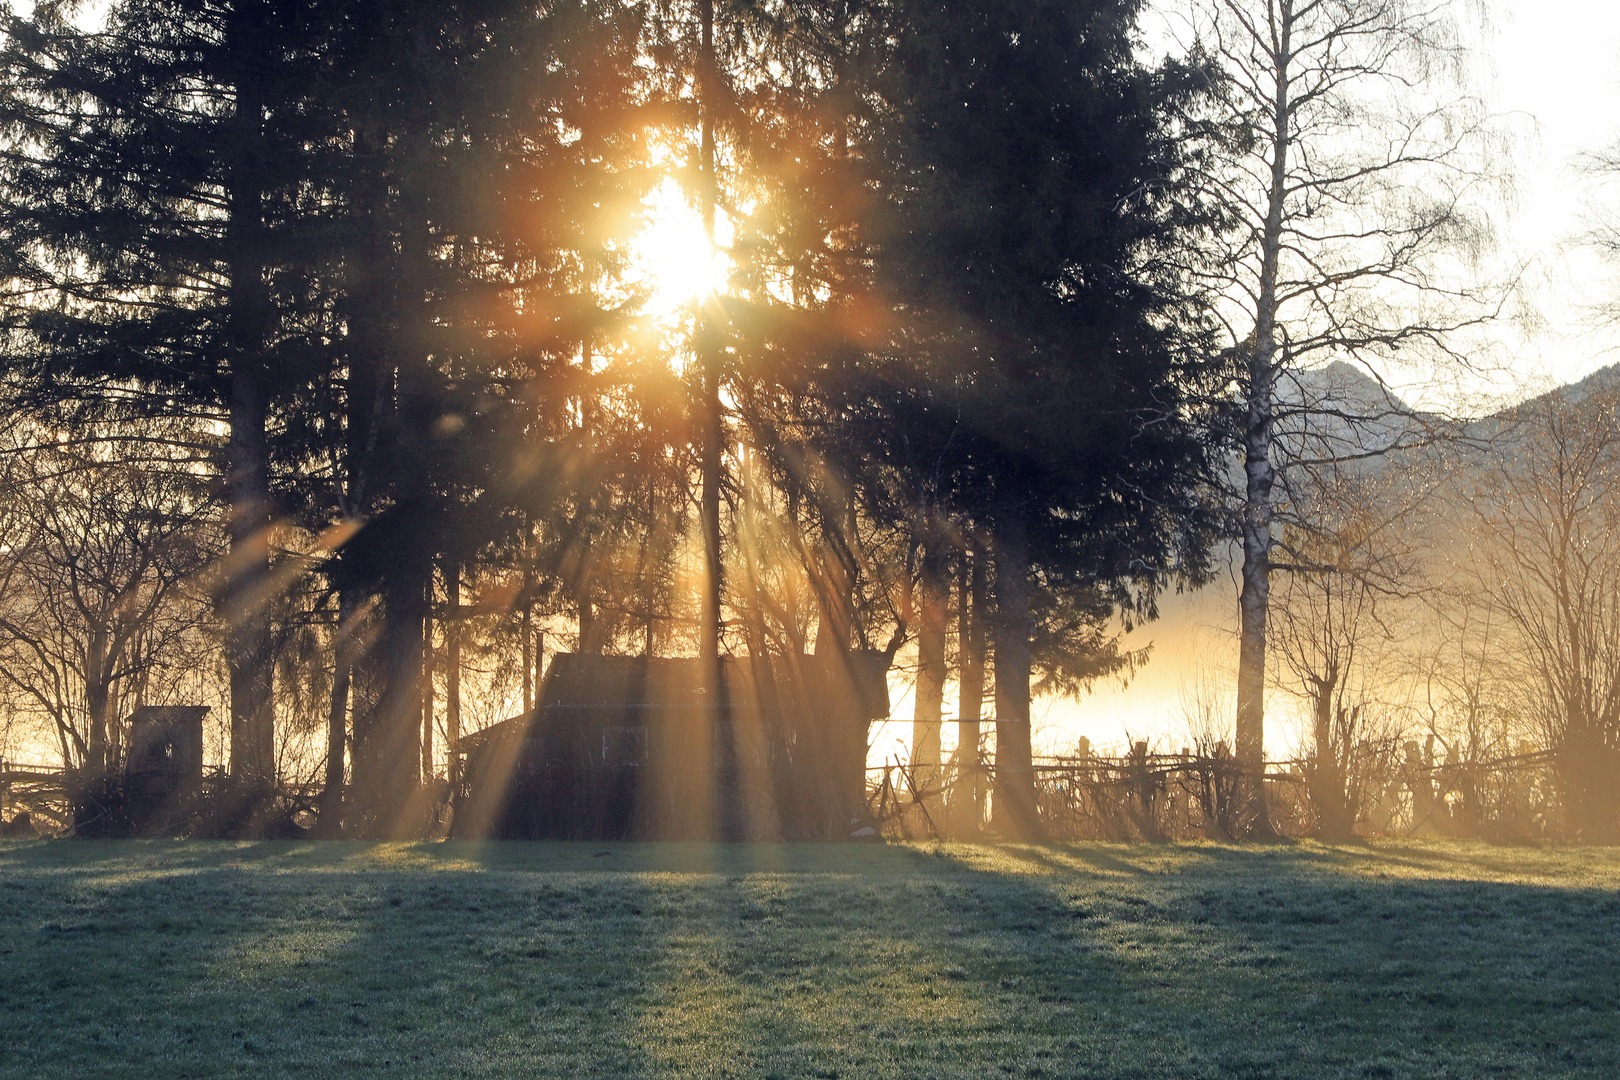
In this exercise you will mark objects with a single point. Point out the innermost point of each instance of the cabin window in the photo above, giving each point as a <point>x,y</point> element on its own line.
<point>624,746</point>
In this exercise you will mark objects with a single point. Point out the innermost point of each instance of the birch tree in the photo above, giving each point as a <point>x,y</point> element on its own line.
<point>1353,174</point>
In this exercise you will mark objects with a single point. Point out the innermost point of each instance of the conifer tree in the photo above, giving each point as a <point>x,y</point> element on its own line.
<point>156,165</point>
<point>1045,354</point>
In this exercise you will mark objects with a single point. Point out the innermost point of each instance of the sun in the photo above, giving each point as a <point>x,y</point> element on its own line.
<point>672,257</point>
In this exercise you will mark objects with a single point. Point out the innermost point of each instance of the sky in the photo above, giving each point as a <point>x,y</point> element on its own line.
<point>1554,68</point>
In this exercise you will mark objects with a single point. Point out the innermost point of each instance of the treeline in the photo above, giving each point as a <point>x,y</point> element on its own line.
<point>338,391</point>
<point>327,358</point>
<point>1456,647</point>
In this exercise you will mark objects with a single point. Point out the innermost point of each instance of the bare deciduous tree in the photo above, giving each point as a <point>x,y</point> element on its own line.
<point>1548,509</point>
<point>1352,182</point>
<point>100,613</point>
<point>1338,622</point>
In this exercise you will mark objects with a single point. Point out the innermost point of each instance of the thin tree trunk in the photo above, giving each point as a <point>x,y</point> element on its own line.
<point>711,455</point>
<point>1014,803</point>
<point>933,616</point>
<point>588,638</point>
<point>330,818</point>
<point>452,672</point>
<point>970,707</point>
<point>97,763</point>
<point>526,652</point>
<point>539,666</point>
<point>589,635</point>
<point>427,678</point>
<point>711,436</point>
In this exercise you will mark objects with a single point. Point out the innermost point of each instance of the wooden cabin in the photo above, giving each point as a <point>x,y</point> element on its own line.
<point>629,747</point>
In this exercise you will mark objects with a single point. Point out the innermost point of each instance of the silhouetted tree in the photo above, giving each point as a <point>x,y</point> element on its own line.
<point>1045,354</point>
<point>150,211</point>
<point>105,549</point>
<point>1548,548</point>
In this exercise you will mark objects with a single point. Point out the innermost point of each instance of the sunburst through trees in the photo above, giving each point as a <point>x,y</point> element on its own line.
<point>618,395</point>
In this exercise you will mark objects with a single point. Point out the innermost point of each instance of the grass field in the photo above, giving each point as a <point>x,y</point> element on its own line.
<point>334,960</point>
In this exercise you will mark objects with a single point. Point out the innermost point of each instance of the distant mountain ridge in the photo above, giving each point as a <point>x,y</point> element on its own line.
<point>1604,378</point>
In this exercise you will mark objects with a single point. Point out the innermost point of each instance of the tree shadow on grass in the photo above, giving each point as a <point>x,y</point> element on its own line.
<point>976,967</point>
<point>318,960</point>
<point>794,961</point>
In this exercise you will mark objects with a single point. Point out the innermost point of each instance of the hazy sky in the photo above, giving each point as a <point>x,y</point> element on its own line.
<point>1554,66</point>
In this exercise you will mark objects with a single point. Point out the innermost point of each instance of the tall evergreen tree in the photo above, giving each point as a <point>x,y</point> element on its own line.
<point>1045,353</point>
<point>484,187</point>
<point>155,167</point>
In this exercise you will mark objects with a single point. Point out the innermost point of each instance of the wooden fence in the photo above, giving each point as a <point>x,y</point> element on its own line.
<point>1151,796</point>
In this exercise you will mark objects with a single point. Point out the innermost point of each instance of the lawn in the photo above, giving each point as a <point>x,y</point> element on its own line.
<point>445,960</point>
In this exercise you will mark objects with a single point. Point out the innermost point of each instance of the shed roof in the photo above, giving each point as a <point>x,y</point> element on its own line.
<point>168,714</point>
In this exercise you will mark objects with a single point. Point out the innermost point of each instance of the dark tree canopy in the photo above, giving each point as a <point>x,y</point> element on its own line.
<point>378,261</point>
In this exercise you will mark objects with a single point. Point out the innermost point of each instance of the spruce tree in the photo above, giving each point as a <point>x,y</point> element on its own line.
<point>1045,359</point>
<point>154,172</point>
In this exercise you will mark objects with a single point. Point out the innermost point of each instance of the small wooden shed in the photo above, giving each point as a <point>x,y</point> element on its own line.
<point>164,768</point>
<point>635,746</point>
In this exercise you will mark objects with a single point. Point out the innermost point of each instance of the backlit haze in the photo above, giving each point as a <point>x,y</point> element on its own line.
<point>1551,74</point>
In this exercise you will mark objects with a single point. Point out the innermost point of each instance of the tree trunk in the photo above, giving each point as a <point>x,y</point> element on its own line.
<point>452,669</point>
<point>711,433</point>
<point>526,650</point>
<point>590,635</point>
<point>247,475</point>
<point>711,456</point>
<point>589,639</point>
<point>933,616</point>
<point>330,818</point>
<point>844,737</point>
<point>1326,779</point>
<point>397,250</point>
<point>387,767</point>
<point>427,677</point>
<point>97,695</point>
<point>1259,476</point>
<point>970,707</point>
<point>1253,608</point>
<point>248,645</point>
<point>1013,808</point>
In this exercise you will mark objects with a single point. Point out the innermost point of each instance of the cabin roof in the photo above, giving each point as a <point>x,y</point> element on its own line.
<point>577,680</point>
<point>510,727</point>
<point>168,714</point>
